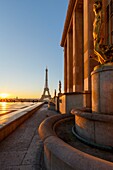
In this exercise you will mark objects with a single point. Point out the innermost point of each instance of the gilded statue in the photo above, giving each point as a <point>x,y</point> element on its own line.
<point>59,86</point>
<point>103,53</point>
<point>55,93</point>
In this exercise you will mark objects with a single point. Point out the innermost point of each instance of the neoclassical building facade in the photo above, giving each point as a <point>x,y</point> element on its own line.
<point>77,41</point>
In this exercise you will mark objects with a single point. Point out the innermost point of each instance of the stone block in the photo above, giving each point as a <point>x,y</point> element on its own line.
<point>84,128</point>
<point>102,90</point>
<point>70,101</point>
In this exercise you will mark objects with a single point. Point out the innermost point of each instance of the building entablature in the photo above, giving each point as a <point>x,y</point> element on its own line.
<point>73,4</point>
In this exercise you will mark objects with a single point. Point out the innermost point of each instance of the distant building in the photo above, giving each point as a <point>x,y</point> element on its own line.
<point>77,41</point>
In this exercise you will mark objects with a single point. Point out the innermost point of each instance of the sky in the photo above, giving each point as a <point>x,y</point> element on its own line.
<point>30,35</point>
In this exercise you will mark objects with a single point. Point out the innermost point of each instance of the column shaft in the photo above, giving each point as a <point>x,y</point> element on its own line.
<point>88,43</point>
<point>69,62</point>
<point>65,68</point>
<point>78,50</point>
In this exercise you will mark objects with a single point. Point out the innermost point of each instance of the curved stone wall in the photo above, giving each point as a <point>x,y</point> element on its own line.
<point>59,155</point>
<point>102,89</point>
<point>18,118</point>
<point>95,128</point>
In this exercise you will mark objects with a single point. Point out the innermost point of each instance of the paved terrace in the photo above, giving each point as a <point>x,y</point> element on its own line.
<point>23,149</point>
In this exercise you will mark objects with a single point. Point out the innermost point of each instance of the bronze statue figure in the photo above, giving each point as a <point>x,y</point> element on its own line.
<point>59,86</point>
<point>55,93</point>
<point>103,53</point>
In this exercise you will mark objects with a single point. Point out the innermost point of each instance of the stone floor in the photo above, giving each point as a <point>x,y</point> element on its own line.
<point>23,149</point>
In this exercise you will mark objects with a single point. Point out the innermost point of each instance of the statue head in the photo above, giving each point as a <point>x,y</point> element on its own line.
<point>97,6</point>
<point>97,1</point>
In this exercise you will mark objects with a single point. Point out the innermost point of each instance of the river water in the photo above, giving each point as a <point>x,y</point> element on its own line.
<point>12,111</point>
<point>9,107</point>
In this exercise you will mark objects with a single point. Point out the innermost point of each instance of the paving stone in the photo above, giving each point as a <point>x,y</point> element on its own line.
<point>33,155</point>
<point>23,167</point>
<point>11,158</point>
<point>23,149</point>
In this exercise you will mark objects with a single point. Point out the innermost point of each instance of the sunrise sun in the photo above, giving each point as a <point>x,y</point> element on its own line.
<point>4,95</point>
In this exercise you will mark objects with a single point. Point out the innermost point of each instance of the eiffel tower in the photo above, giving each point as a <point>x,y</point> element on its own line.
<point>46,89</point>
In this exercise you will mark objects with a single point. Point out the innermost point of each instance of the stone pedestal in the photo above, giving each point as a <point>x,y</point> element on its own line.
<point>96,127</point>
<point>51,106</point>
<point>57,103</point>
<point>87,99</point>
<point>102,89</point>
<point>68,101</point>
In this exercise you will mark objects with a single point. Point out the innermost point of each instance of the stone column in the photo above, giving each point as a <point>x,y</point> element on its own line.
<point>65,68</point>
<point>88,43</point>
<point>88,50</point>
<point>78,50</point>
<point>70,61</point>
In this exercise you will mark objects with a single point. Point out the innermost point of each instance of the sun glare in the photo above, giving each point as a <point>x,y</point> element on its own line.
<point>4,95</point>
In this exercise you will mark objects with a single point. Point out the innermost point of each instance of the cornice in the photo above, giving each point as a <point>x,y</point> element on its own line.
<point>67,20</point>
<point>71,6</point>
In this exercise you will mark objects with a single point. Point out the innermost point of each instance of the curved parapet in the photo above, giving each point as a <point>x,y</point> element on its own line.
<point>95,128</point>
<point>59,155</point>
<point>9,122</point>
